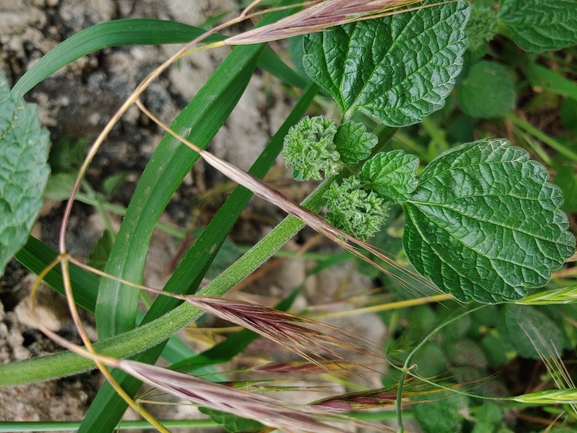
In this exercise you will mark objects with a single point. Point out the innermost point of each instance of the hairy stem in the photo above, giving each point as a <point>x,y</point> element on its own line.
<point>151,334</point>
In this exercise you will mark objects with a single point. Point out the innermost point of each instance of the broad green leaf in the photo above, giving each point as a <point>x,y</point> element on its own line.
<point>445,414</point>
<point>566,180</point>
<point>430,360</point>
<point>353,142</point>
<point>23,170</point>
<point>232,423</point>
<point>484,223</point>
<point>540,25</point>
<point>533,334</point>
<point>490,413</point>
<point>59,186</point>
<point>498,349</point>
<point>488,91</point>
<point>466,352</point>
<point>392,174</point>
<point>112,183</point>
<point>397,69</point>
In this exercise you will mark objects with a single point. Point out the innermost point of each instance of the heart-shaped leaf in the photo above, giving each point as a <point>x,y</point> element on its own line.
<point>397,69</point>
<point>484,223</point>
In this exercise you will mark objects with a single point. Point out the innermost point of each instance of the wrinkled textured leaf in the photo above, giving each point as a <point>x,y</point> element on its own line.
<point>540,25</point>
<point>442,415</point>
<point>391,174</point>
<point>353,142</point>
<point>484,223</point>
<point>23,170</point>
<point>232,423</point>
<point>488,91</point>
<point>398,69</point>
<point>532,333</point>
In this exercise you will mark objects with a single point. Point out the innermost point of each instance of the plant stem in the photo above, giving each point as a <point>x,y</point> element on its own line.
<point>153,333</point>
<point>42,426</point>
<point>541,136</point>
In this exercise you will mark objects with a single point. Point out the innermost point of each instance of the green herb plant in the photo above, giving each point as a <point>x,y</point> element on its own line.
<point>476,216</point>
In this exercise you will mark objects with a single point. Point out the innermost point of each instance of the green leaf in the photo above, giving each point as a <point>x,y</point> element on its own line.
<point>23,170</point>
<point>466,352</point>
<point>566,180</point>
<point>392,174</point>
<point>353,142</point>
<point>498,349</point>
<point>230,422</point>
<point>484,223</point>
<point>397,69</point>
<point>59,186</point>
<point>99,255</point>
<point>226,256</point>
<point>112,183</point>
<point>533,334</point>
<point>540,25</point>
<point>488,91</point>
<point>489,413</point>
<point>443,415</point>
<point>309,147</point>
<point>135,31</point>
<point>430,360</point>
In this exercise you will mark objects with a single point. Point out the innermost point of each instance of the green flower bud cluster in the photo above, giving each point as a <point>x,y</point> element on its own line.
<point>309,147</point>
<point>358,207</point>
<point>355,210</point>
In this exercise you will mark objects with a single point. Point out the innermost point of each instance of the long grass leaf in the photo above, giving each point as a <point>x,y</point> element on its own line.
<point>168,166</point>
<point>133,31</point>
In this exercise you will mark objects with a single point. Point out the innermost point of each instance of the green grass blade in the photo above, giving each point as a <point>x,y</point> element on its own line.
<point>116,305</point>
<point>151,334</point>
<point>42,426</point>
<point>108,407</point>
<point>36,255</point>
<point>133,31</point>
<point>550,81</point>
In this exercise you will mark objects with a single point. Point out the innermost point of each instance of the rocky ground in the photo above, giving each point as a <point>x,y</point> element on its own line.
<point>75,103</point>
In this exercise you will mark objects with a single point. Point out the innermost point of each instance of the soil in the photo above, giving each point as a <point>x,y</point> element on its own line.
<point>74,104</point>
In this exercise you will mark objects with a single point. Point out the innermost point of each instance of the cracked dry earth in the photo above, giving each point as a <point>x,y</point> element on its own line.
<point>75,103</point>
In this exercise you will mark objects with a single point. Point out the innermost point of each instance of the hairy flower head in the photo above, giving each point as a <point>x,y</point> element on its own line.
<point>354,210</point>
<point>309,147</point>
